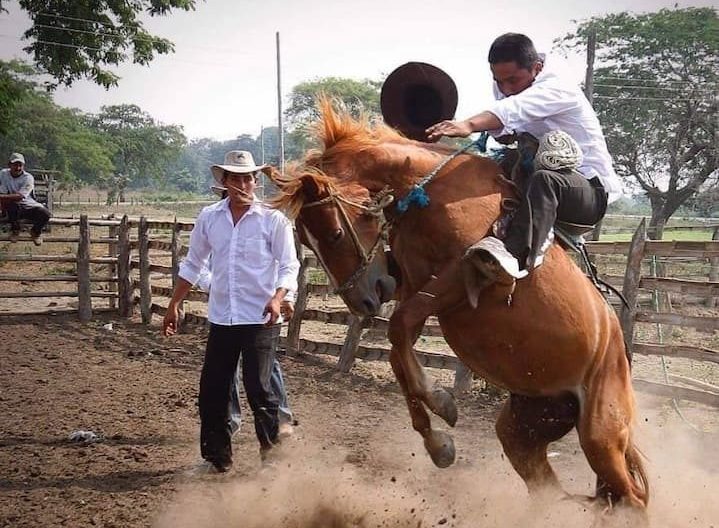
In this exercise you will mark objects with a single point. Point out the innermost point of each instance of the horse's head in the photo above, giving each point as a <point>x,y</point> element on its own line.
<point>345,229</point>
<point>338,212</point>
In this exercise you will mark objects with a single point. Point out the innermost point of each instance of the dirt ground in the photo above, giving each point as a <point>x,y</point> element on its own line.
<point>353,461</point>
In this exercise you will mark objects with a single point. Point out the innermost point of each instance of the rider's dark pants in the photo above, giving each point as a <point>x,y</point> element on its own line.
<point>567,196</point>
<point>256,345</point>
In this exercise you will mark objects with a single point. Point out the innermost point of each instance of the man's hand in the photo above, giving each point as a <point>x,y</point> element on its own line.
<point>171,322</point>
<point>287,309</point>
<point>273,308</point>
<point>448,128</point>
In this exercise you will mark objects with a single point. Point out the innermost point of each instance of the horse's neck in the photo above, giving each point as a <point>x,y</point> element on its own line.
<point>397,166</point>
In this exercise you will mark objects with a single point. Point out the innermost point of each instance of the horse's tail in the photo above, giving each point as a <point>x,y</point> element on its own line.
<point>635,462</point>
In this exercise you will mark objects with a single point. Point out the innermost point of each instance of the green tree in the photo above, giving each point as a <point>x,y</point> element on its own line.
<point>357,96</point>
<point>656,95</point>
<point>14,85</point>
<point>51,137</point>
<point>143,149</point>
<point>77,39</point>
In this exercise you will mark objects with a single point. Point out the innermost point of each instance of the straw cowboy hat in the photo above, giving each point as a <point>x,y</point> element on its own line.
<point>237,161</point>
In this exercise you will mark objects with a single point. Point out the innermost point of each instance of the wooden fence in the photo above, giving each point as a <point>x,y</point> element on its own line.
<point>143,268</point>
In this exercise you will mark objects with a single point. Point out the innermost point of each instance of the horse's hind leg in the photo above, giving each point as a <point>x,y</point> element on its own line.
<point>525,428</point>
<point>605,432</point>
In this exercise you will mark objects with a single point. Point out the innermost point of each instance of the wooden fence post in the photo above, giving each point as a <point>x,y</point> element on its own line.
<point>124,287</point>
<point>145,292</point>
<point>175,248</point>
<point>352,341</point>
<point>83,271</point>
<point>711,302</point>
<point>462,378</point>
<point>112,252</point>
<point>292,347</point>
<point>632,276</point>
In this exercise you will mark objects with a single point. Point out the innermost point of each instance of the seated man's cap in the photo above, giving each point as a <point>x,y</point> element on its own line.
<point>15,157</point>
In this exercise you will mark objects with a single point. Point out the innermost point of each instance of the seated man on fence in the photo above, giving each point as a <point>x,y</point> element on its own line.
<point>16,190</point>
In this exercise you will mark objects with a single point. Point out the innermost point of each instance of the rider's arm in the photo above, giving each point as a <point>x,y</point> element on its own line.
<point>539,101</point>
<point>484,121</point>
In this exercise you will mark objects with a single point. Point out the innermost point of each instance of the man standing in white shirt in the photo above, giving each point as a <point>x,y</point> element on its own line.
<point>532,99</point>
<point>16,190</point>
<point>254,266</point>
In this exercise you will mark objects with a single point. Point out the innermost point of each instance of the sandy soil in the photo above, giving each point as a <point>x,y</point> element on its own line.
<point>354,460</point>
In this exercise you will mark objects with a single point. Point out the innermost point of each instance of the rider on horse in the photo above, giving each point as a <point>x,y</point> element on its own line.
<point>573,180</point>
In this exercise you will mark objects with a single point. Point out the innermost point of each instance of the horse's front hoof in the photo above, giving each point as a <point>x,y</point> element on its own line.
<point>443,405</point>
<point>440,447</point>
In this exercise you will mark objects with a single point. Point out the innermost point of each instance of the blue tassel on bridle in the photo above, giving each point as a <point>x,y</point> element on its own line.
<point>417,196</point>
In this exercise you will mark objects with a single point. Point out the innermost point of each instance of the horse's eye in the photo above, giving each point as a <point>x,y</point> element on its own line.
<point>336,236</point>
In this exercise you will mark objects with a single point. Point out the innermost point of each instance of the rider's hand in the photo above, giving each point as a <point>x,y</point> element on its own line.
<point>170,323</point>
<point>448,128</point>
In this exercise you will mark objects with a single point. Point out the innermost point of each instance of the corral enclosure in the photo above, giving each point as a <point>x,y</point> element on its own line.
<point>137,390</point>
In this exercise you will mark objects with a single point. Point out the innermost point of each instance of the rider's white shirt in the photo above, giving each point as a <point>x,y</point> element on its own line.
<point>250,260</point>
<point>551,103</point>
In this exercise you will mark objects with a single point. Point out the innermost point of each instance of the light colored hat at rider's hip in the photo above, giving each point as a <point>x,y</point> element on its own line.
<point>238,162</point>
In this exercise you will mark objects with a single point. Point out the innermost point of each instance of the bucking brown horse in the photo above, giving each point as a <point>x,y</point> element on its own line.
<point>553,342</point>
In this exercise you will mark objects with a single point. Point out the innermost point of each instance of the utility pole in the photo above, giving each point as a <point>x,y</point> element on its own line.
<point>280,130</point>
<point>589,75</point>
<point>262,143</point>
<point>589,94</point>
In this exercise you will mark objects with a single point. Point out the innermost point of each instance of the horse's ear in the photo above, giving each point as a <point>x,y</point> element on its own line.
<point>310,188</point>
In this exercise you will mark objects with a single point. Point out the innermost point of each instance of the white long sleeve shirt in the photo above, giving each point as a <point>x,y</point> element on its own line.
<point>552,104</point>
<point>250,260</point>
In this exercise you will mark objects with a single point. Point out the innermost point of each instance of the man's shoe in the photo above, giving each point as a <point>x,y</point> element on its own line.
<point>37,240</point>
<point>207,467</point>
<point>486,263</point>
<point>14,235</point>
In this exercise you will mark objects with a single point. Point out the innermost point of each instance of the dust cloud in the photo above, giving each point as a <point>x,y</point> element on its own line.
<point>330,488</point>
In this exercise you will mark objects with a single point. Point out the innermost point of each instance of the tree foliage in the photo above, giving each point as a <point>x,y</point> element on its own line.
<point>51,137</point>
<point>142,148</point>
<point>357,96</point>
<point>76,39</point>
<point>656,88</point>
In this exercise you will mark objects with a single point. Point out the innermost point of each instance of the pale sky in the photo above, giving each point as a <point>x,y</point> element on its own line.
<point>221,80</point>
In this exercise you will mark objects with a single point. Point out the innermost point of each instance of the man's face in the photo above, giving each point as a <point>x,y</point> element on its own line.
<point>240,187</point>
<point>512,79</point>
<point>16,168</point>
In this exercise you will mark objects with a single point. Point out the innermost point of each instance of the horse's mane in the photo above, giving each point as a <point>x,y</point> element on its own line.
<point>339,133</point>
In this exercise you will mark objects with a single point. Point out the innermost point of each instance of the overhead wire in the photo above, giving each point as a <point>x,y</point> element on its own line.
<point>640,79</point>
<point>228,51</point>
<point>90,48</point>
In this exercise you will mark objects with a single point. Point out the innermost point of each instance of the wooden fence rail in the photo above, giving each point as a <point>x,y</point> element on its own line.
<point>131,268</point>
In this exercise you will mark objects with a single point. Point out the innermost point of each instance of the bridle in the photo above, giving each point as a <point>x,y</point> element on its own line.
<point>375,209</point>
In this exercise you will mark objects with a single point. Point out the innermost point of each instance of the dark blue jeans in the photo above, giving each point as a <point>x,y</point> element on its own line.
<point>277,382</point>
<point>256,344</point>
